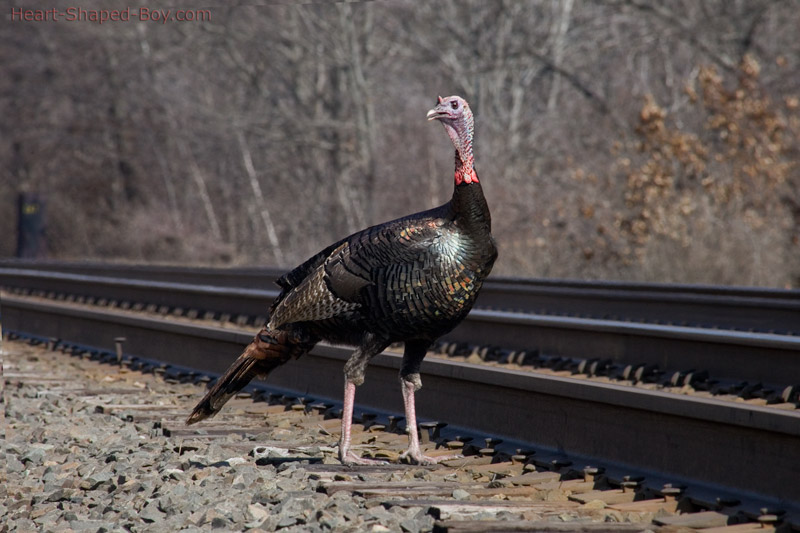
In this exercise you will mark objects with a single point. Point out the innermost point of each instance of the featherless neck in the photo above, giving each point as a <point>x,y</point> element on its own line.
<point>461,135</point>
<point>465,170</point>
<point>468,201</point>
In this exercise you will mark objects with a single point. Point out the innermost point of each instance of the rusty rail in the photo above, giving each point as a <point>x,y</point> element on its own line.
<point>721,353</point>
<point>744,308</point>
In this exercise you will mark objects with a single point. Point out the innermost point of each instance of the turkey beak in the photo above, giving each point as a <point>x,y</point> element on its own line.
<point>436,113</point>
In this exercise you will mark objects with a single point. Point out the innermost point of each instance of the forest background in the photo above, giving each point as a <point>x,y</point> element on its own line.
<point>616,139</point>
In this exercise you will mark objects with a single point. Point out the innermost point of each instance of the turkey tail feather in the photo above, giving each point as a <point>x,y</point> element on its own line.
<point>268,350</point>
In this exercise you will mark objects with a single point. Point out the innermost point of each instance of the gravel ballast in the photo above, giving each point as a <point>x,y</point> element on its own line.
<point>71,467</point>
<point>102,448</point>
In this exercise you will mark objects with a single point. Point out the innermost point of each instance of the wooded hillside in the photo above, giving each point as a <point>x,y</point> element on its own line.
<point>618,139</point>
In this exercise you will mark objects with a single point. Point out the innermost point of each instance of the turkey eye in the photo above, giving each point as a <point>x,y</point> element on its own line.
<point>454,104</point>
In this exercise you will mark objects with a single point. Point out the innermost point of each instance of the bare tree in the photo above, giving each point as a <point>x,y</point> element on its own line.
<point>268,131</point>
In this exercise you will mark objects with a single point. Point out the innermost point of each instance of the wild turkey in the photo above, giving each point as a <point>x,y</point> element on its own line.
<point>410,280</point>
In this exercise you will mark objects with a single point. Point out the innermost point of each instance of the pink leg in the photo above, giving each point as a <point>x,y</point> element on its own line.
<point>345,455</point>
<point>413,452</point>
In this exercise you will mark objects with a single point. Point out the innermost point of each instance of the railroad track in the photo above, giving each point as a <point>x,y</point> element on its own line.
<point>683,439</point>
<point>740,308</point>
<point>496,486</point>
<point>715,357</point>
<point>641,398</point>
<point>103,447</point>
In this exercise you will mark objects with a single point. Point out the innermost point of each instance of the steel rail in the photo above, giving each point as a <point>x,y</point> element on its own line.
<point>242,277</point>
<point>245,276</point>
<point>735,445</point>
<point>725,354</point>
<point>745,308</point>
<point>235,301</point>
